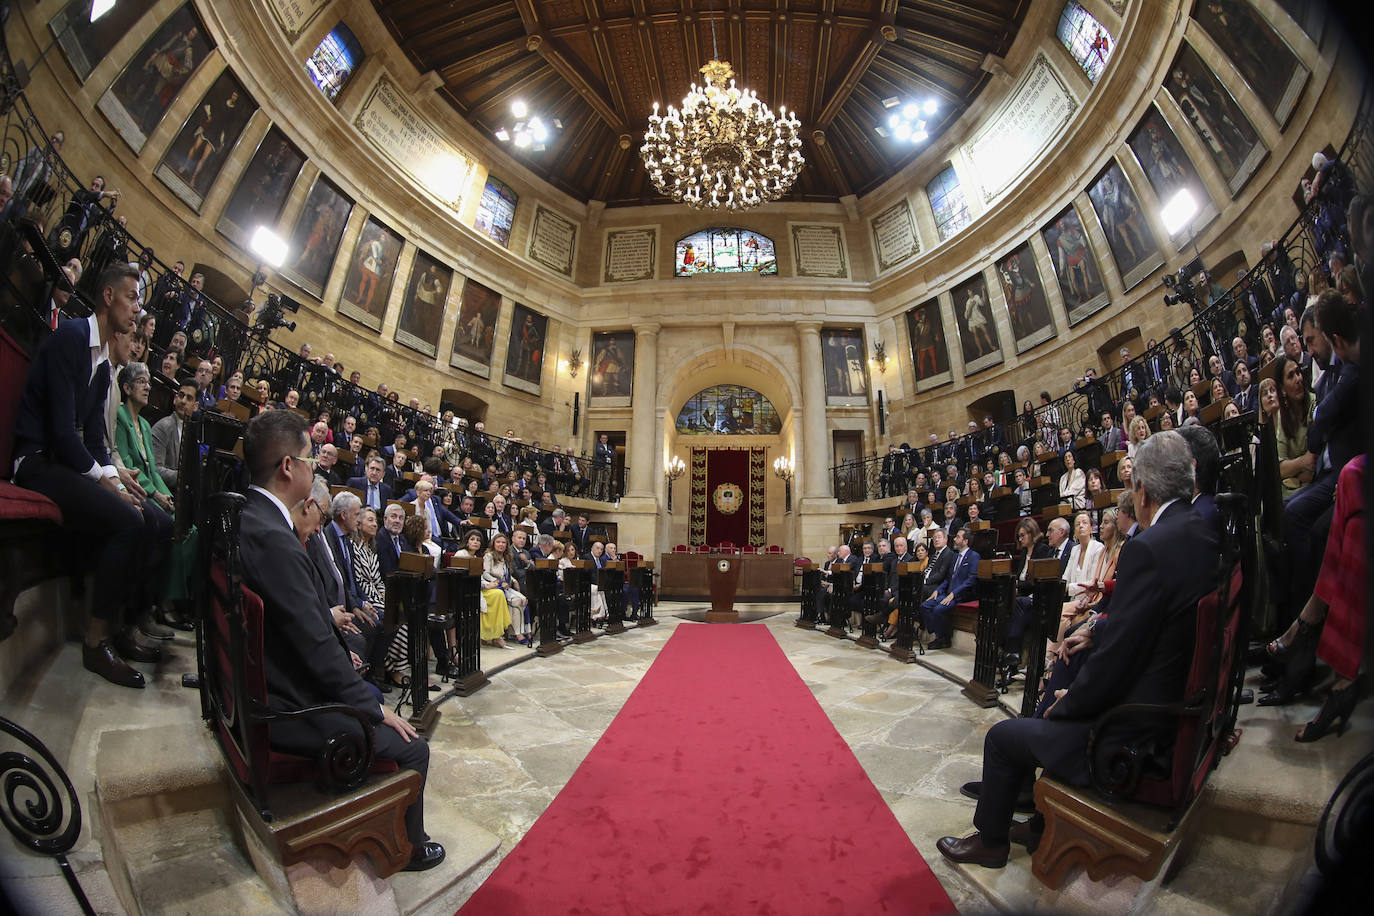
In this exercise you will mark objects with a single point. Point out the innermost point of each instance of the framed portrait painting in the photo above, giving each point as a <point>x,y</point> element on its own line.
<point>1129,236</point>
<point>86,43</point>
<point>1027,306</point>
<point>422,308</point>
<point>263,187</point>
<point>315,239</point>
<point>1219,123</point>
<point>195,158</point>
<point>152,80</point>
<point>371,273</point>
<point>846,369</point>
<point>978,338</point>
<point>525,350</point>
<point>611,379</point>
<point>929,348</point>
<point>1075,265</point>
<point>1169,170</point>
<point>476,329</point>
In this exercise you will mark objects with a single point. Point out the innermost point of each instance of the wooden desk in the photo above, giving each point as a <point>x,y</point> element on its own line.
<point>761,574</point>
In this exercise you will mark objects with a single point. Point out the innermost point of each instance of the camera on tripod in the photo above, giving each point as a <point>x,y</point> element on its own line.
<point>272,315</point>
<point>1181,286</point>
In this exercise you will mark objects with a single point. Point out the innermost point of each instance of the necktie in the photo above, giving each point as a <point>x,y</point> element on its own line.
<point>372,500</point>
<point>396,540</point>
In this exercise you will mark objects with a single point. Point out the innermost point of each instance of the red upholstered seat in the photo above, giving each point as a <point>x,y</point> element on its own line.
<point>701,548</point>
<point>774,548</point>
<point>18,504</point>
<point>680,548</point>
<point>802,561</point>
<point>749,548</point>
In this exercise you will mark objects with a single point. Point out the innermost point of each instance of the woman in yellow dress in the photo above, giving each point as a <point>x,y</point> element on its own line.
<point>495,619</point>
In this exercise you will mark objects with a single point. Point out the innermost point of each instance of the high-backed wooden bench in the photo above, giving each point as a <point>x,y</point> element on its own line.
<point>1130,821</point>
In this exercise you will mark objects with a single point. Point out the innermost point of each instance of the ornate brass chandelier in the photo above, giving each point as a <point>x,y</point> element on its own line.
<point>725,149</point>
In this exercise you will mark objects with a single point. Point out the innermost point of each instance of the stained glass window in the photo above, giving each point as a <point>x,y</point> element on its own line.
<point>1089,43</point>
<point>334,61</point>
<point>496,211</point>
<point>725,250</point>
<point>947,200</point>
<point>728,410</point>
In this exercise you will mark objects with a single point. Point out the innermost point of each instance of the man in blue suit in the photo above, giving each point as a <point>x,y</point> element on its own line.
<point>390,545</point>
<point>375,489</point>
<point>61,451</point>
<point>963,577</point>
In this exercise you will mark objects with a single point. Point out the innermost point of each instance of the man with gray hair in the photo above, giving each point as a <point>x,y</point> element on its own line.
<point>1142,657</point>
<point>337,537</point>
<point>543,547</point>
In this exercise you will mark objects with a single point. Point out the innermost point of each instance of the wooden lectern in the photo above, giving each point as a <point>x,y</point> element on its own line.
<point>723,577</point>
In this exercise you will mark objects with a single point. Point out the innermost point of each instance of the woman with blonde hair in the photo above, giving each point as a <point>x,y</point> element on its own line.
<point>495,619</point>
<point>1139,431</point>
<point>497,564</point>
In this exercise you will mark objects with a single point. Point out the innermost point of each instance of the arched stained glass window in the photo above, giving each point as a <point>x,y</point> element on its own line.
<point>948,204</point>
<point>1086,38</point>
<point>334,61</point>
<point>725,250</point>
<point>728,410</point>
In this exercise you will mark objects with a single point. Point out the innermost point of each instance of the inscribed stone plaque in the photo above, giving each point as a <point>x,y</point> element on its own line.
<point>151,81</point>
<point>630,255</point>
<point>422,309</point>
<point>553,240</point>
<point>295,16</point>
<point>894,235</point>
<point>818,251</point>
<point>1032,116</point>
<point>414,145</point>
<point>476,329</point>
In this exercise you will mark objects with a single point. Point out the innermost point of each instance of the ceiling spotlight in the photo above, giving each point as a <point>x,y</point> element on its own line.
<point>519,109</point>
<point>528,133</point>
<point>908,124</point>
<point>522,140</point>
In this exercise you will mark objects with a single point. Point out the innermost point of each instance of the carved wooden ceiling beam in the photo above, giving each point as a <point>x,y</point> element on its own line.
<point>557,55</point>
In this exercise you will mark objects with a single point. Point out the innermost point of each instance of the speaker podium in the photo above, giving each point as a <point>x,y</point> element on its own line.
<point>723,578</point>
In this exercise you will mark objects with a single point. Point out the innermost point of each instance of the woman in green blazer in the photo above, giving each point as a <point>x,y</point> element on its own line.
<point>134,441</point>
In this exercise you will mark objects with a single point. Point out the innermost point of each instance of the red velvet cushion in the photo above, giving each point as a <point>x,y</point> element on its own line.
<point>14,369</point>
<point>18,504</point>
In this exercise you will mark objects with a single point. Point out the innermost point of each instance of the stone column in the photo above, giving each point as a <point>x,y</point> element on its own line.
<point>641,457</point>
<point>815,479</point>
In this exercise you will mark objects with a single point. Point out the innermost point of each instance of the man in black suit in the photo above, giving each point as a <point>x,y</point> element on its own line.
<point>1099,399</point>
<point>1057,533</point>
<point>376,491</point>
<point>994,442</point>
<point>328,465</point>
<point>582,534</point>
<point>1143,656</point>
<point>305,663</point>
<point>941,562</point>
<point>557,521</point>
<point>61,451</point>
<point>1246,397</point>
<point>389,544</point>
<point>344,510</point>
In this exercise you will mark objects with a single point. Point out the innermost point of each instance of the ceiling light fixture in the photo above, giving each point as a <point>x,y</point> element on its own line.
<point>725,149</point>
<point>908,123</point>
<point>529,133</point>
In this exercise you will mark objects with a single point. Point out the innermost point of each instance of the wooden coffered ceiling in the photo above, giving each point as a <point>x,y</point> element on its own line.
<point>599,65</point>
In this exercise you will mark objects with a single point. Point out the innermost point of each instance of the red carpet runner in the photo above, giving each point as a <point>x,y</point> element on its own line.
<point>721,788</point>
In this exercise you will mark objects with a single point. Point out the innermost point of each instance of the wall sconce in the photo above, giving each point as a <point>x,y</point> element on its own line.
<point>672,470</point>
<point>879,356</point>
<point>575,362</point>
<point>782,467</point>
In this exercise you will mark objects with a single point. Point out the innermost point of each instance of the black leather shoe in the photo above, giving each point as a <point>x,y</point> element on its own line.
<point>943,642</point>
<point>1024,833</point>
<point>154,630</point>
<point>130,649</point>
<point>174,620</point>
<point>972,850</point>
<point>102,660</point>
<point>1025,802</point>
<point>426,857</point>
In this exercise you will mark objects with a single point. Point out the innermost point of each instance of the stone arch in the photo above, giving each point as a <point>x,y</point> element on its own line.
<point>740,365</point>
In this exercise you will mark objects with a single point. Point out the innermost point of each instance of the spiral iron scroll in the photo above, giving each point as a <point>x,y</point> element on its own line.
<point>346,760</point>
<point>1347,824</point>
<point>40,814</point>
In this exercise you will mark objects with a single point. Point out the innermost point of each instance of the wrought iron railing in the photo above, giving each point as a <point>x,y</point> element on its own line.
<point>1215,323</point>
<point>44,190</point>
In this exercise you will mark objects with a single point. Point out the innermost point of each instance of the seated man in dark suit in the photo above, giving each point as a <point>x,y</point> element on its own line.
<point>582,534</point>
<point>61,451</point>
<point>557,521</point>
<point>389,544</point>
<point>328,465</point>
<point>941,562</point>
<point>376,491</point>
<point>1142,656</point>
<point>305,663</point>
<point>344,510</point>
<point>963,578</point>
